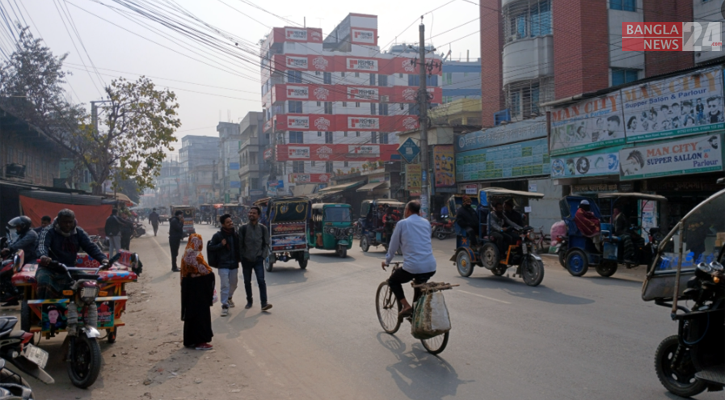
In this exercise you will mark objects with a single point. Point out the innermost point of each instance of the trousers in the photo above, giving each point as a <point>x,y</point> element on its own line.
<point>229,279</point>
<point>258,267</point>
<point>114,245</point>
<point>174,243</point>
<point>401,276</point>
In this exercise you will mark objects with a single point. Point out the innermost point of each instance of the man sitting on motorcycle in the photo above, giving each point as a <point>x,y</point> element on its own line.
<point>630,240</point>
<point>61,243</point>
<point>499,226</point>
<point>512,214</point>
<point>467,219</point>
<point>26,241</point>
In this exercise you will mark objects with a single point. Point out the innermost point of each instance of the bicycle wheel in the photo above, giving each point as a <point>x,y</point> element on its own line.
<point>436,344</point>
<point>387,308</point>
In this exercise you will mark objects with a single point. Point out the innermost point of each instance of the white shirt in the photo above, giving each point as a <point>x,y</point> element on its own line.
<point>412,236</point>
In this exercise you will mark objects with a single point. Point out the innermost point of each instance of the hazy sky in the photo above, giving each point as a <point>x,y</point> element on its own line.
<point>207,92</point>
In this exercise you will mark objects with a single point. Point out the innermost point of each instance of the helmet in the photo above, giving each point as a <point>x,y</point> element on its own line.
<point>22,222</point>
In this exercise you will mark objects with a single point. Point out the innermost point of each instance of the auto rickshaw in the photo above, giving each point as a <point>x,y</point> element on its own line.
<point>376,227</point>
<point>485,252</point>
<point>163,212</point>
<point>578,252</point>
<point>237,211</point>
<point>189,213</point>
<point>331,227</point>
<point>206,213</point>
<point>286,218</point>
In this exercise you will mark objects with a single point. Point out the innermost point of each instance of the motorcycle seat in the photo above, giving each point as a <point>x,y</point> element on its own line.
<point>6,325</point>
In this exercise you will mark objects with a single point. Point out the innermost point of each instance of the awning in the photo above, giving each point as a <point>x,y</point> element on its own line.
<point>342,186</point>
<point>326,194</point>
<point>372,186</point>
<point>303,190</point>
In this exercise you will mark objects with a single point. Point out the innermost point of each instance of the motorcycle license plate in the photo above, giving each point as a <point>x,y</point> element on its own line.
<point>36,355</point>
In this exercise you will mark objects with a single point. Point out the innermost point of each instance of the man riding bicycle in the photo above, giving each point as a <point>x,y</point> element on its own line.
<point>412,237</point>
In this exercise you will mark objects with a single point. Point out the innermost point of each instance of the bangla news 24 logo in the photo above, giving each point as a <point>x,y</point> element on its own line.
<point>672,36</point>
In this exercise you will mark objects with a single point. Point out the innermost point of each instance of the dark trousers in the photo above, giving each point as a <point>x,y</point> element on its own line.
<point>504,240</point>
<point>126,241</point>
<point>401,276</point>
<point>174,243</point>
<point>156,227</point>
<point>472,237</point>
<point>258,267</point>
<point>630,243</point>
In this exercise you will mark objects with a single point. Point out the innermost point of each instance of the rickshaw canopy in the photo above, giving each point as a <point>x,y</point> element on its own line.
<point>632,195</point>
<point>494,191</point>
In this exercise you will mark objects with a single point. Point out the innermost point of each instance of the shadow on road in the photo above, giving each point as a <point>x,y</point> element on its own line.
<point>230,327</point>
<point>516,287</point>
<point>419,374</point>
<point>289,273</point>
<point>612,281</point>
<point>329,257</point>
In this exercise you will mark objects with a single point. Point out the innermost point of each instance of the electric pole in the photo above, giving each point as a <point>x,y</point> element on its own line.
<point>423,112</point>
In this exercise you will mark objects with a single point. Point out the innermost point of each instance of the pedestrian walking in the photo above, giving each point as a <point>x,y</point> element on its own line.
<point>225,244</point>
<point>126,231</point>
<point>154,220</point>
<point>197,295</point>
<point>176,233</point>
<point>113,233</point>
<point>254,246</point>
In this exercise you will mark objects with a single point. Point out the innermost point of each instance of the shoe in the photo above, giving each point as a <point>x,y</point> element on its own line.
<point>203,346</point>
<point>225,311</point>
<point>248,306</point>
<point>266,307</point>
<point>175,269</point>
<point>406,313</point>
<point>230,303</point>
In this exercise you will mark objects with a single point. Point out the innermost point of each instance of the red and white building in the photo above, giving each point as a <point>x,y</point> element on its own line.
<point>332,105</point>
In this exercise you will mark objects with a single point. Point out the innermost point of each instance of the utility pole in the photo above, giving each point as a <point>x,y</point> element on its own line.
<point>423,111</point>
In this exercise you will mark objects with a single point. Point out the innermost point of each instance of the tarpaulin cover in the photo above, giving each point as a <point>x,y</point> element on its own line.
<point>91,218</point>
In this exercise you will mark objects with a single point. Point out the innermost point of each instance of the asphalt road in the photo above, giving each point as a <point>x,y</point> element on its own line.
<point>569,338</point>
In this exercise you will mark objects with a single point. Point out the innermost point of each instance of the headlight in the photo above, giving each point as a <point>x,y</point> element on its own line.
<point>89,292</point>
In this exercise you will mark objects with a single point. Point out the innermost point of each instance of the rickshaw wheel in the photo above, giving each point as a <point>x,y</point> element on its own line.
<point>84,367</point>
<point>464,264</point>
<point>303,263</point>
<point>678,382</point>
<point>342,251</point>
<point>499,270</point>
<point>112,333</point>
<point>577,263</point>
<point>365,243</point>
<point>607,268</point>
<point>562,256</point>
<point>490,256</point>
<point>532,271</point>
<point>268,265</point>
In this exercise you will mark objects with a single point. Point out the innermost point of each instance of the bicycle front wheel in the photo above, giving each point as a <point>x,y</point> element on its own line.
<point>388,308</point>
<point>436,344</point>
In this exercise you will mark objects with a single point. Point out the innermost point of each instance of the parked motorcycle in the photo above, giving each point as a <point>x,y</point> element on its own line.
<point>16,348</point>
<point>138,230</point>
<point>8,267</point>
<point>443,228</point>
<point>13,386</point>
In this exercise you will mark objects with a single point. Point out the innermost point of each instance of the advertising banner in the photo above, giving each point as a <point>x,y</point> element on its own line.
<point>503,134</point>
<point>361,123</point>
<point>299,35</point>
<point>396,94</point>
<point>362,93</point>
<point>590,124</point>
<point>596,163</point>
<point>337,152</point>
<point>296,62</point>
<point>413,179</point>
<point>297,122</point>
<point>298,152</point>
<point>362,64</point>
<point>685,156</point>
<point>267,154</point>
<point>309,178</point>
<point>678,106</point>
<point>364,36</point>
<point>298,92</point>
<point>509,161</point>
<point>444,167</point>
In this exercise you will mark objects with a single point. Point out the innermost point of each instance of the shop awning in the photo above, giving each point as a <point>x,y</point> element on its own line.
<point>373,186</point>
<point>343,186</point>
<point>303,190</point>
<point>326,194</point>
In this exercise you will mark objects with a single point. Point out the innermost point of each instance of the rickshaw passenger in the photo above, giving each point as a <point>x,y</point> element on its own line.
<point>467,219</point>
<point>61,242</point>
<point>512,214</point>
<point>629,240</point>
<point>500,228</point>
<point>588,223</point>
<point>389,220</point>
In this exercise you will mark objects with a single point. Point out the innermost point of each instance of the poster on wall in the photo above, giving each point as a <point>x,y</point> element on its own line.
<point>685,156</point>
<point>678,106</point>
<point>445,169</point>
<point>510,161</point>
<point>587,125</point>
<point>413,179</point>
<point>597,163</point>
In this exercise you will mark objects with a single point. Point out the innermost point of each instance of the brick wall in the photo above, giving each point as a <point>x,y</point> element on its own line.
<point>492,97</point>
<point>662,62</point>
<point>581,51</point>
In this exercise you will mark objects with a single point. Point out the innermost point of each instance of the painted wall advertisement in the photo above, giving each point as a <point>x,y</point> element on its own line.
<point>413,179</point>
<point>445,169</point>
<point>596,163</point>
<point>685,156</point>
<point>502,134</point>
<point>587,125</point>
<point>522,159</point>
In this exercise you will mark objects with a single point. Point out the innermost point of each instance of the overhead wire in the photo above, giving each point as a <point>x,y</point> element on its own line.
<point>68,14</point>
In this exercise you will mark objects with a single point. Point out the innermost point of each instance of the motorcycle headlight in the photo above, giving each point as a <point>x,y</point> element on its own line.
<point>89,292</point>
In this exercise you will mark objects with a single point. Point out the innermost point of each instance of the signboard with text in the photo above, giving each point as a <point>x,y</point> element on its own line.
<point>521,159</point>
<point>590,124</point>
<point>692,155</point>
<point>444,166</point>
<point>596,163</point>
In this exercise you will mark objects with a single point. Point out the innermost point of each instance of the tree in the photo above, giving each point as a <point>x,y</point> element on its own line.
<point>136,127</point>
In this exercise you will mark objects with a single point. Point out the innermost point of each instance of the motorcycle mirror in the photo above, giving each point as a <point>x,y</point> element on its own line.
<point>716,266</point>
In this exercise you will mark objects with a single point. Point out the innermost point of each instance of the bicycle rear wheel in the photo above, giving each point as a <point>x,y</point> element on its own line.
<point>436,344</point>
<point>387,308</point>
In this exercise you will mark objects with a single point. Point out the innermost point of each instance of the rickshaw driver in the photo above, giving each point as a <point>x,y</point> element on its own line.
<point>467,219</point>
<point>629,240</point>
<point>500,228</point>
<point>412,236</point>
<point>61,243</point>
<point>512,214</point>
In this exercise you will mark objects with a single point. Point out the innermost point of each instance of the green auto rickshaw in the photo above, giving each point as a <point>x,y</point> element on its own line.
<point>331,228</point>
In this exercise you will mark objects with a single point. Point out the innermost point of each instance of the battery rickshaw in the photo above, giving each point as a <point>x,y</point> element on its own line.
<point>331,228</point>
<point>486,251</point>
<point>287,220</point>
<point>377,222</point>
<point>577,252</point>
<point>189,213</point>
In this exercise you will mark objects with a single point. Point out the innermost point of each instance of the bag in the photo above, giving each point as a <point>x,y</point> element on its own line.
<point>212,257</point>
<point>214,298</point>
<point>430,317</point>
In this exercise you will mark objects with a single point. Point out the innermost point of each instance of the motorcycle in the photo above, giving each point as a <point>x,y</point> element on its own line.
<point>16,348</point>
<point>443,228</point>
<point>138,230</point>
<point>13,386</point>
<point>8,267</point>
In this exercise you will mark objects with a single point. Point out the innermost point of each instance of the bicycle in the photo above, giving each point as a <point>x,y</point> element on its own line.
<point>388,308</point>
<point>542,241</point>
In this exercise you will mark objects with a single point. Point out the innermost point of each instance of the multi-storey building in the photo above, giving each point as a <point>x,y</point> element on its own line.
<point>461,80</point>
<point>337,104</point>
<point>228,169</point>
<point>195,151</point>
<point>253,153</point>
<point>167,183</point>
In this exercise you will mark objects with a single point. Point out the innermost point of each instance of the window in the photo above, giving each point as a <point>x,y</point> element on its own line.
<point>372,79</point>
<point>312,163</point>
<point>344,104</point>
<point>345,134</point>
<point>298,167</point>
<point>319,134</point>
<point>413,109</point>
<point>516,103</point>
<point>345,164</point>
<point>342,74</point>
<point>295,137</point>
<point>373,109</point>
<point>317,73</point>
<point>383,108</point>
<point>253,158</point>
<point>624,5</point>
<point>402,106</point>
<point>373,137</point>
<point>327,78</point>
<point>319,104</point>
<point>621,76</point>
<point>400,75</point>
<point>328,137</point>
<point>255,183</point>
<point>357,133</point>
<point>328,167</point>
<point>413,80</point>
<point>357,104</point>
<point>328,107</point>
<point>529,20</point>
<point>357,74</point>
<point>295,107</point>
<point>294,76</point>
<point>431,80</point>
<point>541,19</point>
<point>535,100</point>
<point>383,138</point>
<point>383,80</point>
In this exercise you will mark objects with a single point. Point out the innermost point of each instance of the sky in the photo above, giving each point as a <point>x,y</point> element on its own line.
<point>205,93</point>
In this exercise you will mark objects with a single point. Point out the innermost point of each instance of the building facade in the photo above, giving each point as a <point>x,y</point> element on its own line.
<point>228,166</point>
<point>255,157</point>
<point>195,151</point>
<point>461,80</point>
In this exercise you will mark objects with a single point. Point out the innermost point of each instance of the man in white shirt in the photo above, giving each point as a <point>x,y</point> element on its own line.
<point>412,237</point>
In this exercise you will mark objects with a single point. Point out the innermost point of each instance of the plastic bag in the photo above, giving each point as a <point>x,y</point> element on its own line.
<point>557,229</point>
<point>430,317</point>
<point>214,298</point>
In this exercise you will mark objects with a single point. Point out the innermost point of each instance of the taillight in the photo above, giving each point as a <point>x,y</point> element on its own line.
<point>25,339</point>
<point>518,243</point>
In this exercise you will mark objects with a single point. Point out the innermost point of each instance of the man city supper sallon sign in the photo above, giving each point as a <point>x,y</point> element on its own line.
<point>409,150</point>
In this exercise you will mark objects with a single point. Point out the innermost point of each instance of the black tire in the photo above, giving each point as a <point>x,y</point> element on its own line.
<point>25,316</point>
<point>342,251</point>
<point>85,365</point>
<point>387,313</point>
<point>268,264</point>
<point>440,235</point>
<point>436,344</point>
<point>464,264</point>
<point>433,232</point>
<point>607,268</point>
<point>112,334</point>
<point>490,256</point>
<point>365,243</point>
<point>302,262</point>
<point>680,383</point>
<point>532,270</point>
<point>562,256</point>
<point>577,262</point>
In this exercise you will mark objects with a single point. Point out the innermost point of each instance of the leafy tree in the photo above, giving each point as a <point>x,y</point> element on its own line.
<point>135,128</point>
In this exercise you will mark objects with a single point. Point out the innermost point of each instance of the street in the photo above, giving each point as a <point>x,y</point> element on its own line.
<point>570,338</point>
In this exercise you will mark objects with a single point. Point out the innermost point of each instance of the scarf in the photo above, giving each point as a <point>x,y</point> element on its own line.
<point>193,263</point>
<point>228,233</point>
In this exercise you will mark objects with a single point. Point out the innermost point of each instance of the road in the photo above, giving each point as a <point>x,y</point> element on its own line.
<point>570,338</point>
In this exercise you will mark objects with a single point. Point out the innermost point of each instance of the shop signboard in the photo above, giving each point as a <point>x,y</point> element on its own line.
<point>413,179</point>
<point>682,105</point>
<point>587,125</point>
<point>691,155</point>
<point>444,166</point>
<point>514,160</point>
<point>471,189</point>
<point>596,163</point>
<point>503,134</point>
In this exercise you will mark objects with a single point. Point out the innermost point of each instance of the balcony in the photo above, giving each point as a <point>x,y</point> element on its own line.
<point>251,141</point>
<point>528,59</point>
<point>250,169</point>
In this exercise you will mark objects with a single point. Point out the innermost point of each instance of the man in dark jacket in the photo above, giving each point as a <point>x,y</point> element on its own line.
<point>226,245</point>
<point>467,219</point>
<point>61,242</point>
<point>176,233</point>
<point>26,241</point>
<point>113,233</point>
<point>45,221</point>
<point>253,248</point>
<point>126,231</point>
<point>154,220</point>
<point>511,213</point>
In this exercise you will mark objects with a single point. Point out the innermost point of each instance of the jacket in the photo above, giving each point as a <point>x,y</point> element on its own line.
<point>466,217</point>
<point>113,226</point>
<point>176,228</point>
<point>154,218</point>
<point>27,242</point>
<point>64,249</point>
<point>228,255</point>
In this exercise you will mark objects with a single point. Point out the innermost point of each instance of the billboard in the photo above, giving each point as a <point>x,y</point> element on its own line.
<point>691,155</point>
<point>596,163</point>
<point>413,179</point>
<point>521,159</point>
<point>590,124</point>
<point>337,152</point>
<point>444,166</point>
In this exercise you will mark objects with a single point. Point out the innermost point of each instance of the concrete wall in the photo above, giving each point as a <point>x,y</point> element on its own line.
<point>545,211</point>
